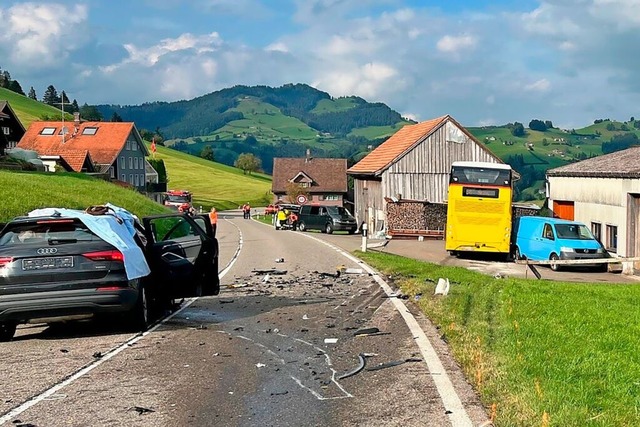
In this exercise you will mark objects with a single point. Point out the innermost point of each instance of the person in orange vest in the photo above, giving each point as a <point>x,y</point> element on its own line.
<point>213,217</point>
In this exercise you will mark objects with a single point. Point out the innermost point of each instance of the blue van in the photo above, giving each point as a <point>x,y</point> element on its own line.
<point>540,238</point>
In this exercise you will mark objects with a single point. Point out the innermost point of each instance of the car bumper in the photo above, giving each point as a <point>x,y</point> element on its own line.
<point>345,227</point>
<point>575,256</point>
<point>23,307</point>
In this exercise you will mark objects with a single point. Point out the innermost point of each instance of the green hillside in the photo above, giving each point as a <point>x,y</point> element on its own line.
<point>29,110</point>
<point>214,184</point>
<point>65,190</point>
<point>267,122</point>
<point>536,152</point>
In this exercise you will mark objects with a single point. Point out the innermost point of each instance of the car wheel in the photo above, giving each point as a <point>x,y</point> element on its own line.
<point>554,267</point>
<point>302,226</point>
<point>328,229</point>
<point>138,317</point>
<point>7,330</point>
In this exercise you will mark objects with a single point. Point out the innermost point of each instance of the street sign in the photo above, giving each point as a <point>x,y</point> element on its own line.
<point>301,199</point>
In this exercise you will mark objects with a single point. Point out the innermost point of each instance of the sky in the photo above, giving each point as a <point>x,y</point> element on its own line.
<point>483,62</point>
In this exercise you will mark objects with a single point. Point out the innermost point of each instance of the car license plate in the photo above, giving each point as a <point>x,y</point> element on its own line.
<point>47,263</point>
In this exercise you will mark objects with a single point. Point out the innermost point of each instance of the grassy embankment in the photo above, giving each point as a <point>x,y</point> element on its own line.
<point>214,184</point>
<point>29,110</point>
<point>539,353</point>
<point>22,192</point>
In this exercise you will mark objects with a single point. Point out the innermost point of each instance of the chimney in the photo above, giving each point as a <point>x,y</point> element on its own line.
<point>308,158</point>
<point>76,119</point>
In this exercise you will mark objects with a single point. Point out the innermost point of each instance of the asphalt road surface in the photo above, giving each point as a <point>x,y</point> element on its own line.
<point>280,346</point>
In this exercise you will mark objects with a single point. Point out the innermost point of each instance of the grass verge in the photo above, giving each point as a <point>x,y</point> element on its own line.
<point>539,353</point>
<point>22,192</point>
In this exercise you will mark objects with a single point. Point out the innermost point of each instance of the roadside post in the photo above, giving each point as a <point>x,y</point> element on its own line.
<point>364,237</point>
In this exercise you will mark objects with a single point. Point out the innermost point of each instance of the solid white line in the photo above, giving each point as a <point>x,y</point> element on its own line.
<point>111,353</point>
<point>453,405</point>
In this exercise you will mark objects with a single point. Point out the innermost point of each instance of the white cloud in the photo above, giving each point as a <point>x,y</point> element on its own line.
<point>542,85</point>
<point>277,47</point>
<point>456,44</point>
<point>41,35</point>
<point>151,55</point>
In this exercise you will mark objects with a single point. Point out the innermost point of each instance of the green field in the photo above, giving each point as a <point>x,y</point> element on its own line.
<point>22,192</point>
<point>539,353</point>
<point>29,110</point>
<point>213,184</point>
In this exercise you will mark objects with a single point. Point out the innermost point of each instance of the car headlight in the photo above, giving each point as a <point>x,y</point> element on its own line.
<point>566,249</point>
<point>599,251</point>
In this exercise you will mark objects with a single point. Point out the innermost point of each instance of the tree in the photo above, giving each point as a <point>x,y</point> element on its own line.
<point>14,86</point>
<point>74,107</point>
<point>90,112</point>
<point>32,94</point>
<point>517,129</point>
<point>50,96</point>
<point>294,190</point>
<point>538,125</point>
<point>64,100</point>
<point>248,163</point>
<point>207,153</point>
<point>115,117</point>
<point>611,127</point>
<point>548,124</point>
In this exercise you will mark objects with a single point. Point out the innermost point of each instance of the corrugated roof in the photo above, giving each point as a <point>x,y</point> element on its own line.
<point>621,164</point>
<point>394,147</point>
<point>104,146</point>
<point>328,175</point>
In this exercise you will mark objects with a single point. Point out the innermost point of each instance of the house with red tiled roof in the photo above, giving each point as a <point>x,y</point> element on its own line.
<point>115,149</point>
<point>411,170</point>
<point>11,129</point>
<point>323,179</point>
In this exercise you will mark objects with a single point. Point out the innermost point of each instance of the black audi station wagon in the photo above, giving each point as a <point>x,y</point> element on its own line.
<point>56,268</point>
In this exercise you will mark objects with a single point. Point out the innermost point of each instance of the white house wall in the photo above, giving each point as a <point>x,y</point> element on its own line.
<point>601,200</point>
<point>423,173</point>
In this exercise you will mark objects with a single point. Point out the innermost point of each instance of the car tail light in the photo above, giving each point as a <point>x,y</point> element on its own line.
<point>104,256</point>
<point>5,260</point>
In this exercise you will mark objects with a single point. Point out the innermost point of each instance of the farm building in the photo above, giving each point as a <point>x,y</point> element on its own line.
<point>402,185</point>
<point>604,193</point>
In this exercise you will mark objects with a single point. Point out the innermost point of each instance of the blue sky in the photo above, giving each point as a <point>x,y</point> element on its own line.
<point>483,62</point>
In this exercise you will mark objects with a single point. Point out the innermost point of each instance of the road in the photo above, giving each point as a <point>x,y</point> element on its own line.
<point>270,350</point>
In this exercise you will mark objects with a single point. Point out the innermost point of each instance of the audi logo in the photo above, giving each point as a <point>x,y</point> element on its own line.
<point>47,251</point>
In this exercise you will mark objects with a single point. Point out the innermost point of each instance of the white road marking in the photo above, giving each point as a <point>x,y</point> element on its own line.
<point>50,393</point>
<point>453,405</point>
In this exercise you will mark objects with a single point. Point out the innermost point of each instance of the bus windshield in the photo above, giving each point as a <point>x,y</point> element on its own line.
<point>478,175</point>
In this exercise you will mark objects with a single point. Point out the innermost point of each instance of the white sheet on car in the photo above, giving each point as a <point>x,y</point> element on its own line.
<point>110,230</point>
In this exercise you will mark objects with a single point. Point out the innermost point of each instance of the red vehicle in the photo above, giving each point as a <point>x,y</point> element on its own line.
<point>178,199</point>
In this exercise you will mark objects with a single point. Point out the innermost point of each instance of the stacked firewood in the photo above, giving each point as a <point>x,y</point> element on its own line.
<point>416,215</point>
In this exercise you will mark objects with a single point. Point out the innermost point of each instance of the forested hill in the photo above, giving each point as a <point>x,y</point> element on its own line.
<point>205,115</point>
<point>266,122</point>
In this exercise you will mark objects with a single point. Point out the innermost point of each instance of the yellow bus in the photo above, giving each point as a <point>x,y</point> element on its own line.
<point>479,208</point>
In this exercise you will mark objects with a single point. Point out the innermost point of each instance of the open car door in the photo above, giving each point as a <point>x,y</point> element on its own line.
<point>182,254</point>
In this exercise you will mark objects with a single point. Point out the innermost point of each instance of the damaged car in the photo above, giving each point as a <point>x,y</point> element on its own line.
<point>58,265</point>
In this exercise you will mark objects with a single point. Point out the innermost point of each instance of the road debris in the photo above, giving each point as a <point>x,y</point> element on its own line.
<point>366,331</point>
<point>442,288</point>
<point>393,363</point>
<point>330,340</point>
<point>239,285</point>
<point>279,259</point>
<point>260,365</point>
<point>354,271</point>
<point>141,410</point>
<point>97,355</point>
<point>269,271</point>
<point>360,367</point>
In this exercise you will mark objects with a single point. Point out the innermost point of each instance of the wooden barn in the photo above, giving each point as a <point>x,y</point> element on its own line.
<point>401,186</point>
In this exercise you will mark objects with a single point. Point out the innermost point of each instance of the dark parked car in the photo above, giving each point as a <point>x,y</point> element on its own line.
<point>326,219</point>
<point>57,268</point>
